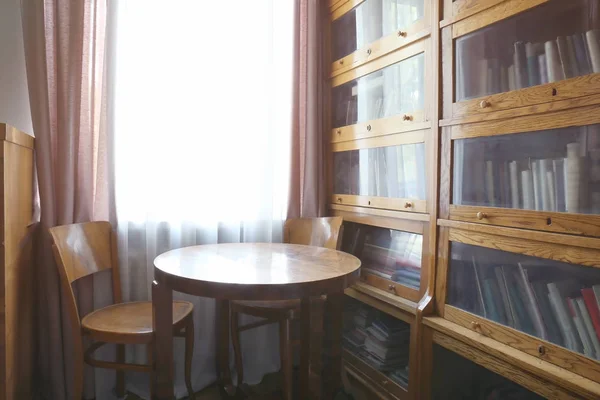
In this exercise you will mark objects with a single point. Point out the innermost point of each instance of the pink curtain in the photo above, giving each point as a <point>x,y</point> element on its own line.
<point>64,50</point>
<point>308,194</point>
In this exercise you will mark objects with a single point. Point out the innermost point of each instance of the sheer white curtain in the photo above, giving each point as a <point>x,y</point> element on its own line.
<point>200,115</point>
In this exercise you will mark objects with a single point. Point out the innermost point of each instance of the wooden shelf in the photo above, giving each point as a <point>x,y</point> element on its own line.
<point>375,378</point>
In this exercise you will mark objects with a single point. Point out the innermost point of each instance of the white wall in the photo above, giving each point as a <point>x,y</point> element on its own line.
<point>14,98</point>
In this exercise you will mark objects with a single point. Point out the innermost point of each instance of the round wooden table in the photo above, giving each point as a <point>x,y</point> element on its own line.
<point>254,271</point>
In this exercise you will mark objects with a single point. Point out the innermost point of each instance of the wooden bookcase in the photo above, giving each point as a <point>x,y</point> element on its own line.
<point>503,192</point>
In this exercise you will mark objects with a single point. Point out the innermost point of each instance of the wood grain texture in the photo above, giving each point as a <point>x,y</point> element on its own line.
<point>381,47</point>
<point>447,69</point>
<point>13,135</point>
<point>534,248</point>
<point>382,306</point>
<point>499,12</point>
<point>376,378</point>
<point>526,380</point>
<point>320,232</point>
<point>446,168</point>
<point>461,9</point>
<point>574,224</point>
<point>584,387</point>
<point>572,117</point>
<point>364,388</point>
<point>387,214</point>
<point>388,203</point>
<point>572,361</point>
<point>396,301</point>
<point>16,265</point>
<point>342,8</point>
<point>425,376</point>
<point>442,264</point>
<point>394,288</point>
<point>384,222</point>
<point>403,53</point>
<point>410,131</point>
<point>567,89</point>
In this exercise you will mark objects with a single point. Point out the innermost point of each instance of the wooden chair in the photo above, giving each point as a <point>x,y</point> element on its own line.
<point>322,232</point>
<point>84,249</point>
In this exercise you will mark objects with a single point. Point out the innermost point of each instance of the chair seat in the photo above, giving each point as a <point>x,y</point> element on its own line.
<point>129,319</point>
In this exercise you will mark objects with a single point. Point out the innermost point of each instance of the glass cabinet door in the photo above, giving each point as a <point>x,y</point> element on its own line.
<point>556,170</point>
<point>387,253</point>
<point>377,339</point>
<point>393,90</point>
<point>551,300</point>
<point>554,41</point>
<point>393,171</point>
<point>370,21</point>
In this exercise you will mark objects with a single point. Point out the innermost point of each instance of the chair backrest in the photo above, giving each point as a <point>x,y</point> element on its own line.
<point>85,249</point>
<point>322,232</point>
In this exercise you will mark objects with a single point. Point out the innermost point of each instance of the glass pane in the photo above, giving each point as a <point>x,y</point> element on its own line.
<point>394,171</point>
<point>554,301</point>
<point>387,253</point>
<point>395,89</point>
<point>555,170</point>
<point>549,43</point>
<point>370,21</point>
<point>457,378</point>
<point>378,339</point>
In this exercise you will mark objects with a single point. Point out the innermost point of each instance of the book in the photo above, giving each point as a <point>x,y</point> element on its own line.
<point>508,309</point>
<point>543,68</point>
<point>533,73</point>
<point>572,56</point>
<point>520,63</point>
<point>580,328</point>
<point>565,322</point>
<point>527,190</point>
<point>573,177</point>
<point>512,84</point>
<point>594,49</point>
<point>541,295</point>
<point>491,295</point>
<point>481,303</point>
<point>592,306</point>
<point>553,64</point>
<point>489,183</point>
<point>543,167</point>
<point>514,184</point>
<point>579,43</point>
<point>589,326</point>
<point>530,303</point>
<point>565,60</point>
<point>523,321</point>
<point>551,190</point>
<point>558,168</point>
<point>537,190</point>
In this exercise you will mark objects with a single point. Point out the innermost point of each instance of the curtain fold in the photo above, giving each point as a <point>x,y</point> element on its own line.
<point>64,51</point>
<point>308,193</point>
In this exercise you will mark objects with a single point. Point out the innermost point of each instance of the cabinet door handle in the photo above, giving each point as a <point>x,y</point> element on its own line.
<point>369,128</point>
<point>402,33</point>
<point>481,215</point>
<point>485,104</point>
<point>408,204</point>
<point>407,117</point>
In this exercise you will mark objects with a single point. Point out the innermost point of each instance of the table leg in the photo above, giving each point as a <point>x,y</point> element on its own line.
<point>162,324</point>
<point>311,315</point>
<point>335,305</point>
<point>223,335</point>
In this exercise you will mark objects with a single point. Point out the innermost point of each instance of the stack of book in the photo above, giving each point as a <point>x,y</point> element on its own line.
<point>541,300</point>
<point>531,64</point>
<point>378,339</point>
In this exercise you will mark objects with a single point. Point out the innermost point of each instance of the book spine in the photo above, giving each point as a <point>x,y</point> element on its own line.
<point>520,62</point>
<point>533,73</point>
<point>537,190</point>
<point>532,305</point>
<point>542,176</point>
<point>564,319</point>
<point>580,54</point>
<point>527,186</point>
<point>551,190</point>
<point>504,294</point>
<point>593,49</point>
<point>580,328</point>
<point>559,183</point>
<point>512,85</point>
<point>543,68</point>
<point>479,289</point>
<point>573,177</point>
<point>575,69</point>
<point>587,322</point>
<point>565,60</point>
<point>489,183</point>
<point>554,67</point>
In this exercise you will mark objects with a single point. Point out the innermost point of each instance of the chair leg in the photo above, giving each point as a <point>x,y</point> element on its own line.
<point>150,357</point>
<point>189,353</point>
<point>285,354</point>
<point>120,373</point>
<point>237,349</point>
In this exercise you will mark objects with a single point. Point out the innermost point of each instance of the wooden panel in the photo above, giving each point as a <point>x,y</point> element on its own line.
<point>16,293</point>
<point>560,119</point>
<point>13,135</point>
<point>493,14</point>
<point>563,90</point>
<point>446,167</point>
<point>533,248</point>
<point>343,7</point>
<point>545,370</point>
<point>447,72</point>
<point>554,354</point>
<point>396,301</point>
<point>568,240</point>
<point>387,214</point>
<point>462,9</point>
<point>394,288</point>
<point>392,58</point>
<point>381,47</point>
<point>385,222</point>
<point>541,387</point>
<point>367,389</point>
<point>408,205</point>
<point>575,224</point>
<point>553,106</point>
<point>381,306</point>
<point>442,271</point>
<point>377,378</point>
<point>414,123</point>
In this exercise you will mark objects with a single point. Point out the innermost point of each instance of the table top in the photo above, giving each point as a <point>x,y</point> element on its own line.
<point>256,271</point>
